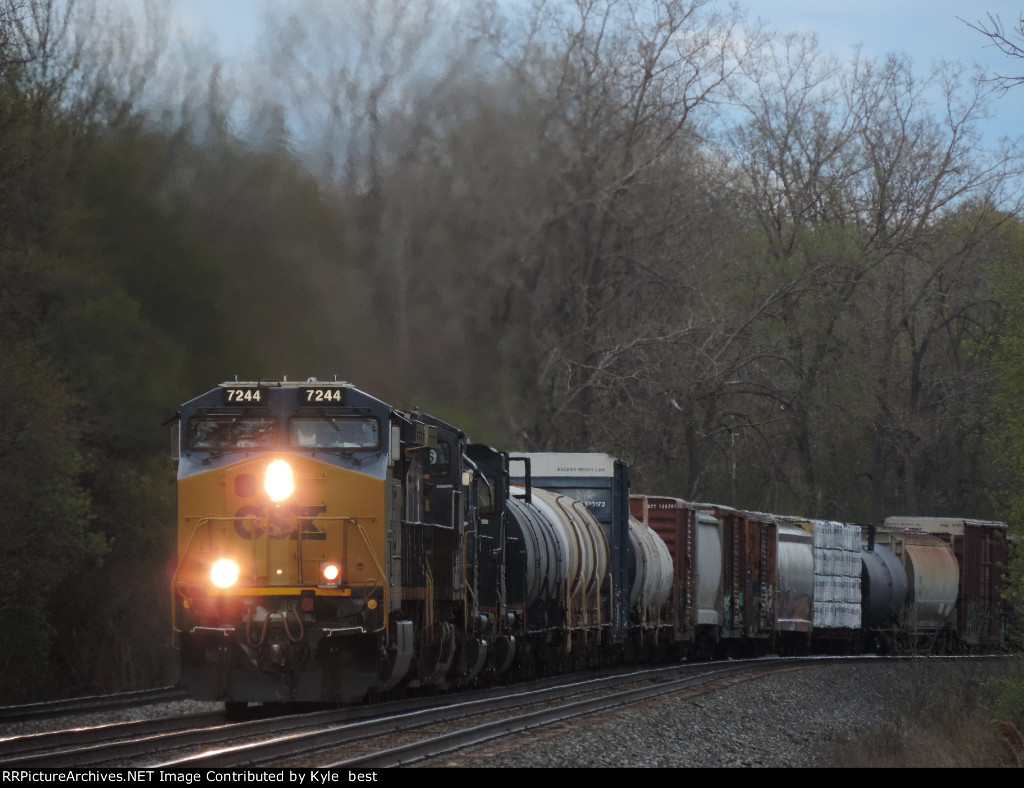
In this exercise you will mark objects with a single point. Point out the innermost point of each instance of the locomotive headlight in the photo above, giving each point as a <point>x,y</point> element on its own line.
<point>330,574</point>
<point>224,573</point>
<point>279,481</point>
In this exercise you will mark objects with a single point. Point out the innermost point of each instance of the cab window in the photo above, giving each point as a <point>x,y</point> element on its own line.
<point>215,432</point>
<point>331,433</point>
<point>485,496</point>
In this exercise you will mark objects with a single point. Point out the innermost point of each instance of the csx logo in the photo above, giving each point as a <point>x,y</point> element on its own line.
<point>249,522</point>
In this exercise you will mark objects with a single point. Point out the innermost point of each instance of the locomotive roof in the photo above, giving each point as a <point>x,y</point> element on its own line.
<point>287,391</point>
<point>285,383</point>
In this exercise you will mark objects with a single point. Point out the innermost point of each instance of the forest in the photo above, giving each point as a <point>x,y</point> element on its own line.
<point>761,276</point>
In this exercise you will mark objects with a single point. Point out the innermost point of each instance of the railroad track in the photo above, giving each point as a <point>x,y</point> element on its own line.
<point>410,737</point>
<point>103,744</point>
<point>89,704</point>
<point>364,737</point>
<point>520,720</point>
<point>132,743</point>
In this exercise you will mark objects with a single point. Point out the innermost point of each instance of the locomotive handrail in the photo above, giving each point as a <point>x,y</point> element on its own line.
<point>203,520</point>
<point>334,631</point>
<point>174,578</point>
<point>428,609</point>
<point>356,521</point>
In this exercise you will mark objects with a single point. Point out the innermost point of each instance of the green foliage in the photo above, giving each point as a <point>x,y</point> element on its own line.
<point>46,531</point>
<point>1006,439</point>
<point>1009,705</point>
<point>141,263</point>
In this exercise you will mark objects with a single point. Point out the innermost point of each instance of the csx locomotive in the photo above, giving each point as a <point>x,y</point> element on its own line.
<point>331,547</point>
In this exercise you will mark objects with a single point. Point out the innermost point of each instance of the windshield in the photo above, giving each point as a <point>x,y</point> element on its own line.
<point>330,433</point>
<point>218,431</point>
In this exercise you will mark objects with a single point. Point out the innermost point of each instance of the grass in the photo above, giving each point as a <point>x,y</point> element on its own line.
<point>956,714</point>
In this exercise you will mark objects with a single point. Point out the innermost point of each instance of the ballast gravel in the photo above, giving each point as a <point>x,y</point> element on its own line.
<point>791,719</point>
<point>146,711</point>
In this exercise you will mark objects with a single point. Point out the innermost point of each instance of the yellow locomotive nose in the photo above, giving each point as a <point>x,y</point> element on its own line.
<point>279,481</point>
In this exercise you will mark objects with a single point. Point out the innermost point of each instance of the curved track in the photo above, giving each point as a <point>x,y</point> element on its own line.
<point>393,734</point>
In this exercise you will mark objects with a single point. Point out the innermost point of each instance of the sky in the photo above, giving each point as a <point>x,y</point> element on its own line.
<point>926,30</point>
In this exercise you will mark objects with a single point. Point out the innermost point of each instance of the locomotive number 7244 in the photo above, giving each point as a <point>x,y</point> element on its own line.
<point>322,395</point>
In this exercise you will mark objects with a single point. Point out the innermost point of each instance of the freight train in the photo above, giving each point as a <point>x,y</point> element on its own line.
<point>333,548</point>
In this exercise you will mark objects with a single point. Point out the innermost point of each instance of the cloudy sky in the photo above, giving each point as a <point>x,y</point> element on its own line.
<point>927,30</point>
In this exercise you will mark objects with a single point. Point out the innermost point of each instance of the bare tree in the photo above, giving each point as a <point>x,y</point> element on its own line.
<point>357,83</point>
<point>875,205</point>
<point>1009,41</point>
<point>608,276</point>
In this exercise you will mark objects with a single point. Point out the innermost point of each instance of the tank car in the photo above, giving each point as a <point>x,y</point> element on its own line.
<point>567,556</point>
<point>636,588</point>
